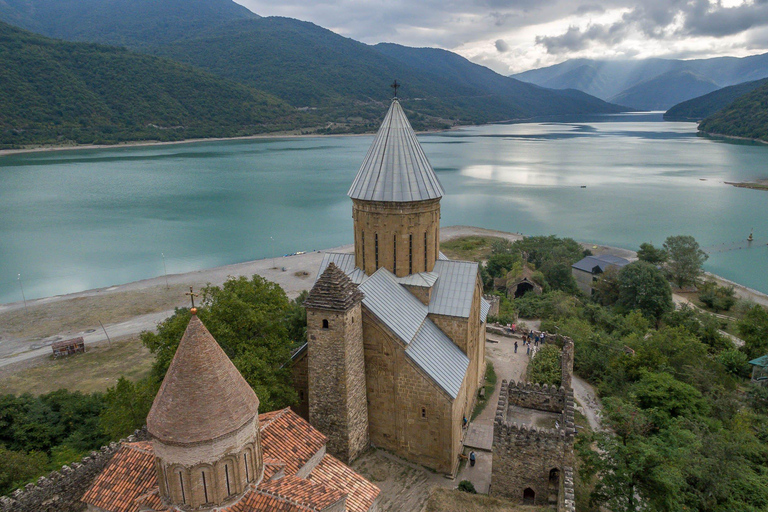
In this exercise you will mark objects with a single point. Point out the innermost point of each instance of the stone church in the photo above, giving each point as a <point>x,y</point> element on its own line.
<point>211,450</point>
<point>396,331</point>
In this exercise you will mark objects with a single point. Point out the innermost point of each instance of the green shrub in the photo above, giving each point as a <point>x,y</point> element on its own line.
<point>545,367</point>
<point>467,486</point>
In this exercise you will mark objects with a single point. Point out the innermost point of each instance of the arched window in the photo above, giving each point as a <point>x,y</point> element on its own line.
<point>423,413</point>
<point>325,323</point>
<point>181,484</point>
<point>376,249</point>
<point>247,473</point>
<point>425,251</point>
<point>362,246</point>
<point>205,488</point>
<point>410,254</point>
<point>529,497</point>
<point>554,477</point>
<point>226,479</point>
<point>394,253</point>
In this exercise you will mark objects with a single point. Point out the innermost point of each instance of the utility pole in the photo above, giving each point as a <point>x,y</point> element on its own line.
<point>273,252</point>
<point>22,295</point>
<point>109,341</point>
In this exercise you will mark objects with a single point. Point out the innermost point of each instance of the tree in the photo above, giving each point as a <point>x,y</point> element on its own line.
<point>18,468</point>
<point>606,288</point>
<point>642,286</point>
<point>250,319</point>
<point>499,265</point>
<point>718,298</point>
<point>128,405</point>
<point>651,254</point>
<point>685,259</point>
<point>753,329</point>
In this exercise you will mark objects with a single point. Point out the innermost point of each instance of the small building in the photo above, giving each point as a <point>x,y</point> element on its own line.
<point>760,370</point>
<point>586,271</point>
<point>68,347</point>
<point>523,284</point>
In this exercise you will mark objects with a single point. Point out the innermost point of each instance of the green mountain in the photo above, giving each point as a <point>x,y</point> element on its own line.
<point>134,23</point>
<point>56,92</point>
<point>309,66</point>
<point>707,105</point>
<point>664,90</point>
<point>341,81</point>
<point>613,80</point>
<point>746,117</point>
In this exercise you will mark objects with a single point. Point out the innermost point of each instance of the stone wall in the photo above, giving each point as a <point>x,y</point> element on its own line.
<point>530,461</point>
<point>61,490</point>
<point>535,396</point>
<point>567,499</point>
<point>494,301</point>
<point>300,376</point>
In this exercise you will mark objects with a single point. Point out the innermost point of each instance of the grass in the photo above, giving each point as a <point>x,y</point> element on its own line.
<point>96,370</point>
<point>48,319</point>
<point>490,386</point>
<point>448,500</point>
<point>469,248</point>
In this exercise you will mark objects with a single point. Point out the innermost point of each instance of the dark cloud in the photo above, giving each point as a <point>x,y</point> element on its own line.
<point>702,20</point>
<point>575,39</point>
<point>501,46</point>
<point>589,9</point>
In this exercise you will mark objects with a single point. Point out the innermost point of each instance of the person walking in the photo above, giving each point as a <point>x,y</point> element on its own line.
<point>528,348</point>
<point>515,347</point>
<point>472,459</point>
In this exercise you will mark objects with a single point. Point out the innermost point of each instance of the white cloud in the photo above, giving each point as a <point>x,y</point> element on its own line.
<point>515,35</point>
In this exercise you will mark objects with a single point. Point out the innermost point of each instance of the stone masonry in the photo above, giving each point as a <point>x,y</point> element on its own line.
<point>535,465</point>
<point>336,364</point>
<point>61,490</point>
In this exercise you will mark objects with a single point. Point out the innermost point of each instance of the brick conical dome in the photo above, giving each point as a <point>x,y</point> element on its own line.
<point>333,290</point>
<point>203,396</point>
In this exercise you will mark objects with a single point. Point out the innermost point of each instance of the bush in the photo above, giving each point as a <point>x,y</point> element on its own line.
<point>545,367</point>
<point>734,362</point>
<point>718,298</point>
<point>467,486</point>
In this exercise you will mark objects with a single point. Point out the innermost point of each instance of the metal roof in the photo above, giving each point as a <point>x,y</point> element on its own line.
<point>442,256</point>
<point>761,361</point>
<point>439,357</point>
<point>396,307</point>
<point>346,262</point>
<point>423,279</point>
<point>455,288</point>
<point>485,307</point>
<point>603,261</point>
<point>395,168</point>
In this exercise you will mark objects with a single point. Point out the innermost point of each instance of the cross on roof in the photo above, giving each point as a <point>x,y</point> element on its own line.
<point>395,85</point>
<point>192,296</point>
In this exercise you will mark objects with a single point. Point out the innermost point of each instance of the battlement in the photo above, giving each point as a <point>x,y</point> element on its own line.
<point>60,491</point>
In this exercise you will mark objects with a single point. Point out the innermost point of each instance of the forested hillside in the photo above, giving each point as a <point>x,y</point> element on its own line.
<point>56,92</point>
<point>138,23</point>
<point>707,105</point>
<point>668,89</point>
<point>746,117</point>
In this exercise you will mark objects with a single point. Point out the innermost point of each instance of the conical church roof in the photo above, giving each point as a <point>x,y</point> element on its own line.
<point>396,168</point>
<point>203,396</point>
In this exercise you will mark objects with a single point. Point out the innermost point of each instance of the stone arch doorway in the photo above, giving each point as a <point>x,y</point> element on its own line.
<point>523,288</point>
<point>554,478</point>
<point>529,497</point>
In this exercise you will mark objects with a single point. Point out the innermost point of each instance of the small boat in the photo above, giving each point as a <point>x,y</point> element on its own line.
<point>750,238</point>
<point>583,186</point>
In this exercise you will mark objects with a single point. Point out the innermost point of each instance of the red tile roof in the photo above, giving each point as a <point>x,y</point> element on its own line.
<point>130,474</point>
<point>360,492</point>
<point>128,483</point>
<point>288,437</point>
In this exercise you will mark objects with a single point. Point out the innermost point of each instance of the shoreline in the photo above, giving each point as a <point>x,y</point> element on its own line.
<point>732,137</point>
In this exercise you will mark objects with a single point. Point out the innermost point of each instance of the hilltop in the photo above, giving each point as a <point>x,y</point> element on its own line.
<point>746,117</point>
<point>708,104</point>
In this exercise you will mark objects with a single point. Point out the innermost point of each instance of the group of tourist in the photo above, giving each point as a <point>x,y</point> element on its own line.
<point>531,338</point>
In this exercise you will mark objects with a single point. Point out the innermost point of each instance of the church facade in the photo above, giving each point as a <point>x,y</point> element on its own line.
<point>396,331</point>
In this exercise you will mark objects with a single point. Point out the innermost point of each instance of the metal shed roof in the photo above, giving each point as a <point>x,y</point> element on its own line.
<point>455,288</point>
<point>761,361</point>
<point>485,307</point>
<point>439,357</point>
<point>395,168</point>
<point>346,262</point>
<point>395,306</point>
<point>423,279</point>
<point>604,261</point>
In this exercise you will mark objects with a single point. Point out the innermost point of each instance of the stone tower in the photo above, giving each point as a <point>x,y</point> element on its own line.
<point>336,366</point>
<point>204,426</point>
<point>396,202</point>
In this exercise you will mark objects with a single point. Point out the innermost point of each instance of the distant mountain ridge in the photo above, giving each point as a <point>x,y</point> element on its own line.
<point>56,92</point>
<point>708,104</point>
<point>633,82</point>
<point>343,83</point>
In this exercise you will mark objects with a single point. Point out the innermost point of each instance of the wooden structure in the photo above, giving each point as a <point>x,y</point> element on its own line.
<point>68,347</point>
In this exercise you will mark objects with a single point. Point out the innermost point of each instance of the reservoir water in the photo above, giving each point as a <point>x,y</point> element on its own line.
<point>81,219</point>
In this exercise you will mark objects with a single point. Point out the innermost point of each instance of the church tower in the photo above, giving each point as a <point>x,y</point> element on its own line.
<point>396,202</point>
<point>335,361</point>
<point>204,426</point>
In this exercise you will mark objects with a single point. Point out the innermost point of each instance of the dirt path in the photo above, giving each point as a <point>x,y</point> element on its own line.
<point>586,396</point>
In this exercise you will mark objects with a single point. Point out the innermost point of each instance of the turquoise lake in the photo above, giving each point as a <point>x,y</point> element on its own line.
<point>81,219</point>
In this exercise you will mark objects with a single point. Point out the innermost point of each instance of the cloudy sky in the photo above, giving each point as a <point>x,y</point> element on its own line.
<point>515,35</point>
